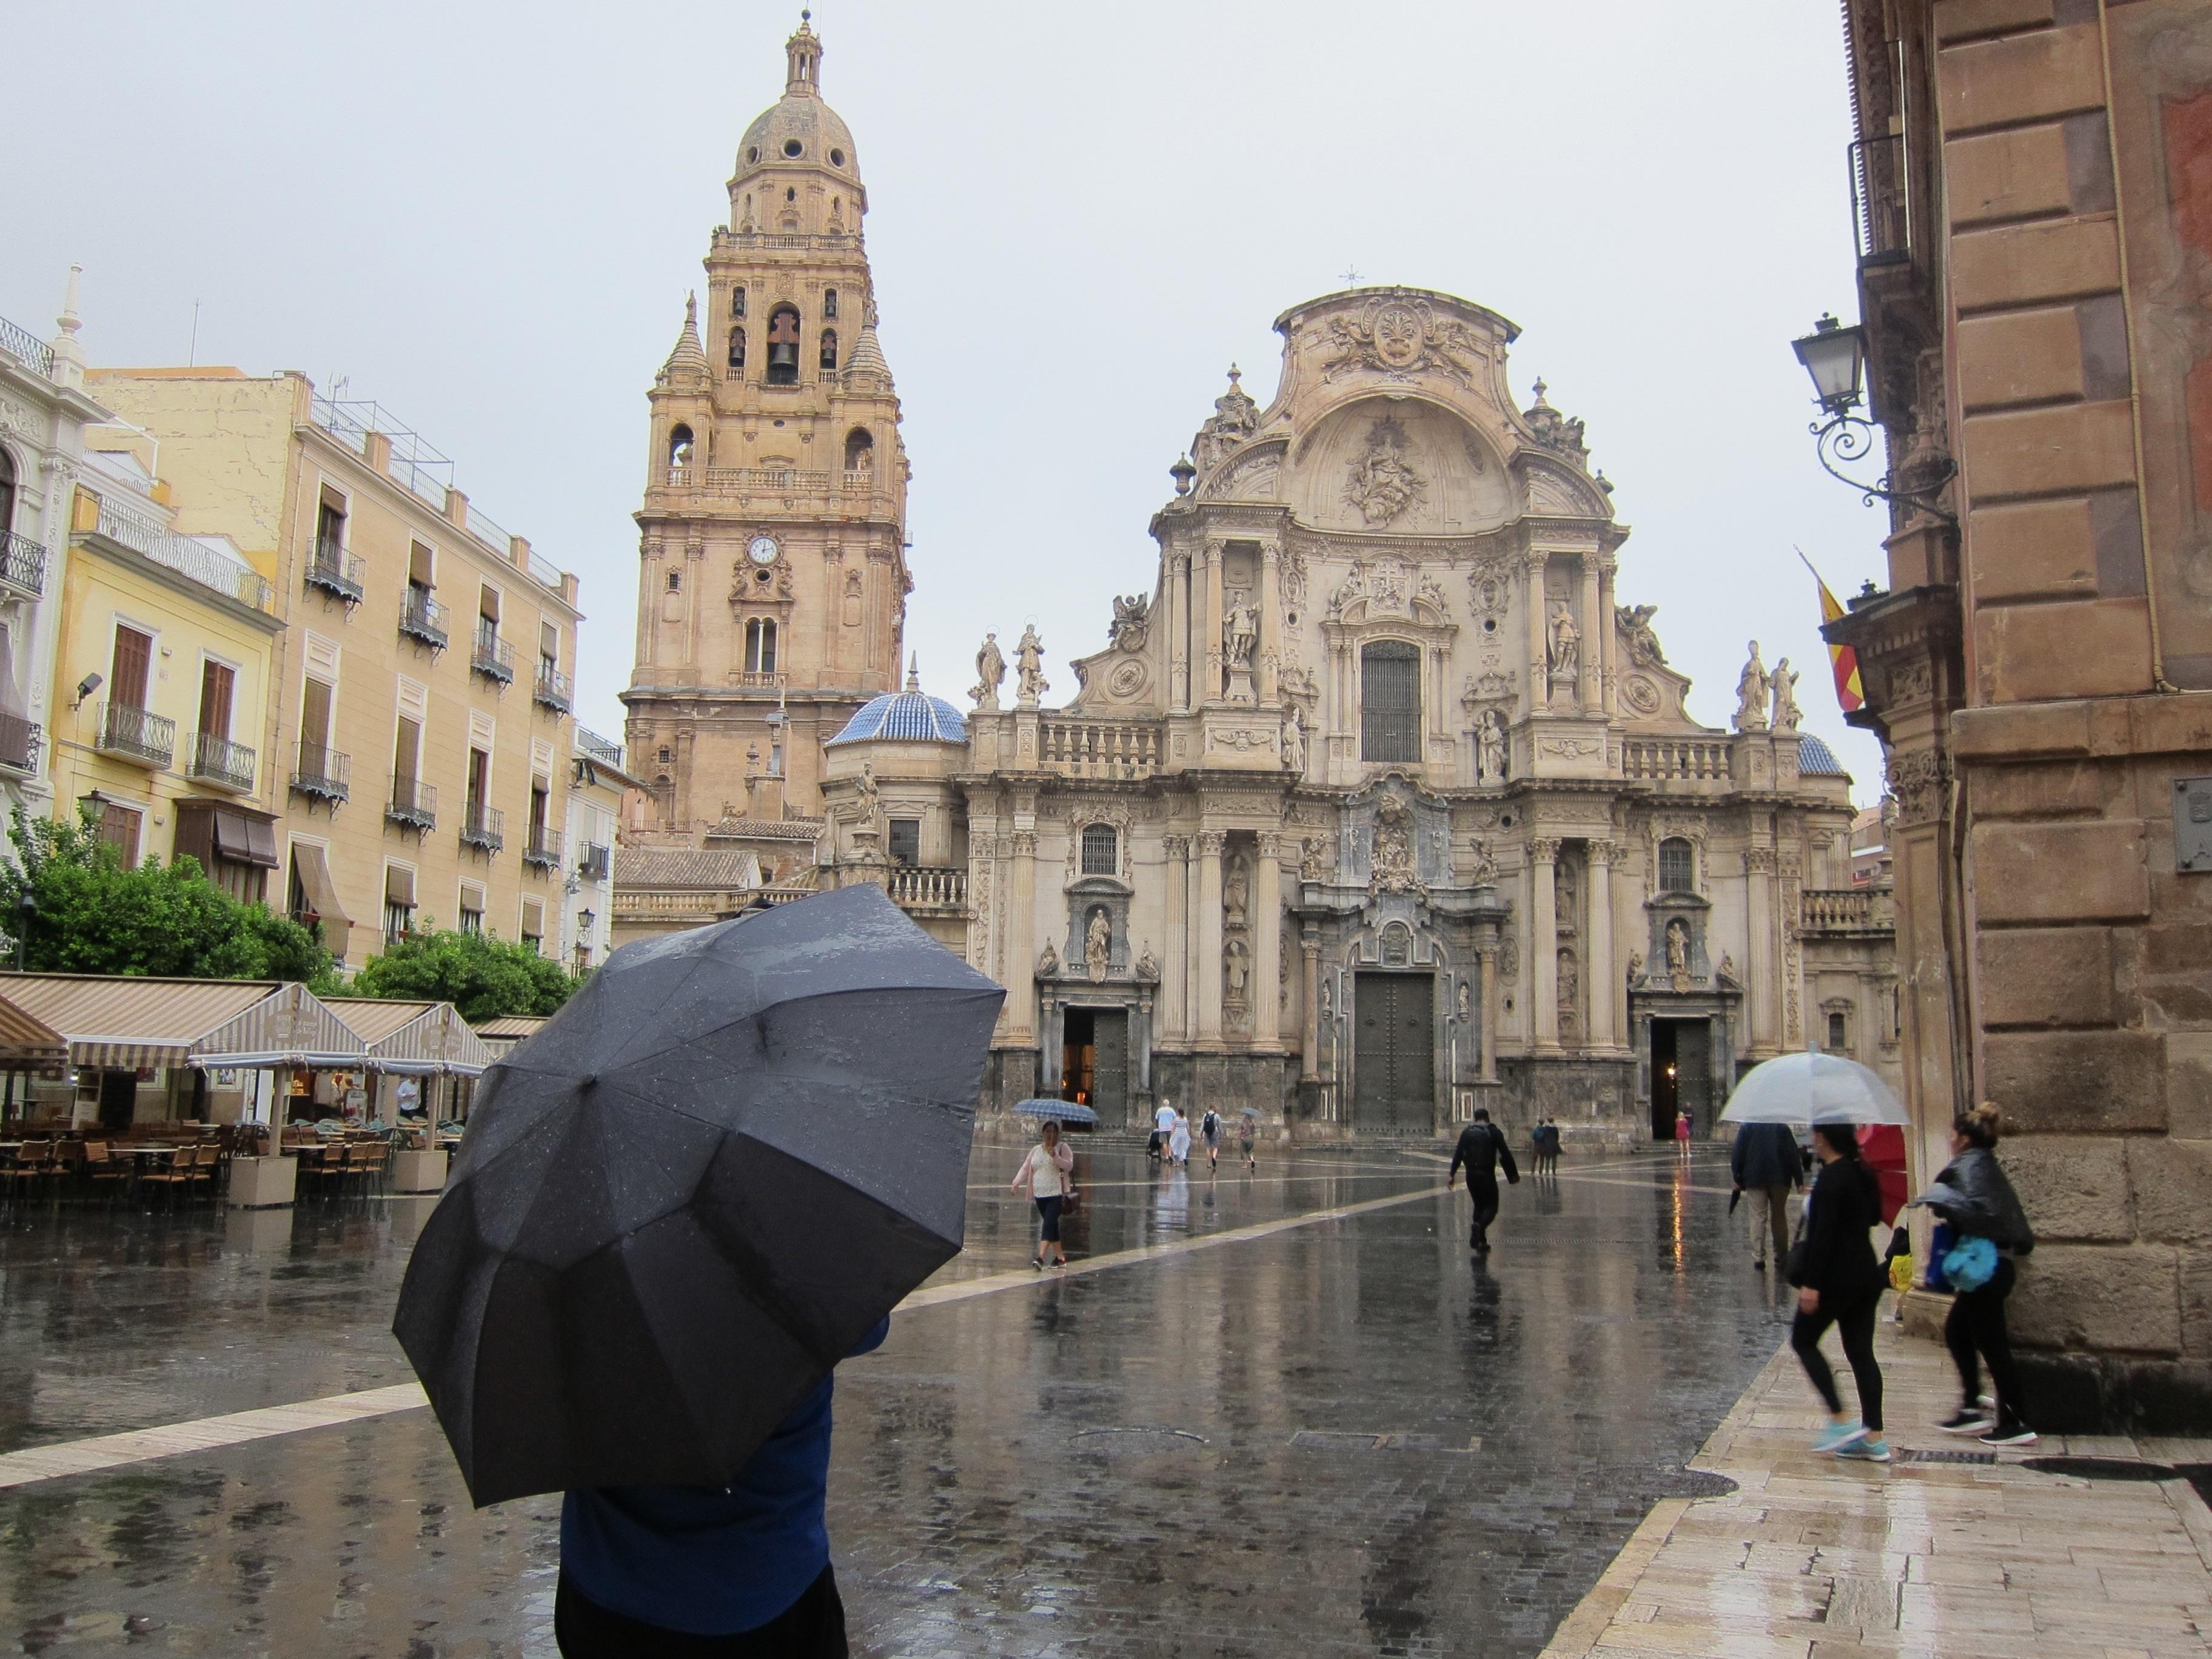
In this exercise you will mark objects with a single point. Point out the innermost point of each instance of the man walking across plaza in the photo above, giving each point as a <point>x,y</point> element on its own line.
<point>1482,1148</point>
<point>1766,1167</point>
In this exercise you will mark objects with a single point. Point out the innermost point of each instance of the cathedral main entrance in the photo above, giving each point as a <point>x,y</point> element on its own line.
<point>1094,1062</point>
<point>1394,1054</point>
<point>1681,1076</point>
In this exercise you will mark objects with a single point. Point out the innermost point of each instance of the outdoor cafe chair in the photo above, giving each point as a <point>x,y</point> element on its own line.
<point>103,1171</point>
<point>368,1164</point>
<point>169,1177</point>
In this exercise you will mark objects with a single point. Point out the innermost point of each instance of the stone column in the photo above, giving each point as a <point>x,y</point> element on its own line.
<point>1487,958</point>
<point>1594,632</point>
<point>1208,935</point>
<point>1309,950</point>
<point>1608,657</point>
<point>1052,1050</point>
<point>1758,908</point>
<point>1539,645</point>
<point>1604,983</point>
<point>1176,602</point>
<point>1174,963</point>
<point>1271,627</point>
<point>1543,943</point>
<point>1021,930</point>
<point>1268,943</point>
<point>1209,623</point>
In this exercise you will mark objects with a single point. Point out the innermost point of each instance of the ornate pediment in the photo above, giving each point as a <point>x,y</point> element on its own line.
<point>1399,337</point>
<point>1380,588</point>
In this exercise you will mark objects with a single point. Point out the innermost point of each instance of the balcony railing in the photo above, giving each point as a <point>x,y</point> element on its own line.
<point>492,656</point>
<point>27,349</point>
<point>132,733</point>
<point>544,848</point>
<point>483,828</point>
<point>1088,749</point>
<point>22,565</point>
<point>592,861</point>
<point>1881,200</point>
<point>219,761</point>
<point>336,571</point>
<point>323,774</point>
<point>1848,910</point>
<point>19,743</point>
<point>1664,759</point>
<point>929,887</point>
<point>412,804</point>
<point>552,688</point>
<point>593,746</point>
<point>182,554</point>
<point>423,618</point>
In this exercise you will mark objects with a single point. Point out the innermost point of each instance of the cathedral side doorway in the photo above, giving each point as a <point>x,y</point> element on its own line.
<point>1394,1052</point>
<point>1681,1076</point>
<point>1094,1062</point>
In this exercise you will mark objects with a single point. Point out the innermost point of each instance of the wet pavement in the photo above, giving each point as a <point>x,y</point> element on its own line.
<point>1338,1437</point>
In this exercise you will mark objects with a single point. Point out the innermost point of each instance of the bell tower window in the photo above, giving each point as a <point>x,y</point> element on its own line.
<point>736,351</point>
<point>738,294</point>
<point>760,646</point>
<point>679,448</point>
<point>829,304</point>
<point>783,346</point>
<point>860,451</point>
<point>829,347</point>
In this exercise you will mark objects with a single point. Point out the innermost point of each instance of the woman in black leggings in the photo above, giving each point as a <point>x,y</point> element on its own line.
<point>1980,1203</point>
<point>1839,1283</point>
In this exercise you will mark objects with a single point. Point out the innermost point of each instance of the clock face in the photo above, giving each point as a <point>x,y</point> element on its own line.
<point>763,550</point>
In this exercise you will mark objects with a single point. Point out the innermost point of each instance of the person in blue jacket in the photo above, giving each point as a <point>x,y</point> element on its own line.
<point>692,1572</point>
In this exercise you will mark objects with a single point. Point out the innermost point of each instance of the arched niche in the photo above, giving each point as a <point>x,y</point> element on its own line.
<point>1397,465</point>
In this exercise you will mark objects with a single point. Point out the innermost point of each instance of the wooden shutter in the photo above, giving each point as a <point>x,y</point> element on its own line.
<point>217,683</point>
<point>406,750</point>
<point>315,715</point>
<point>134,656</point>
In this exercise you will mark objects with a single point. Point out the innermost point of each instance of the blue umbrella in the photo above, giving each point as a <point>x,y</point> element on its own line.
<point>1066,1111</point>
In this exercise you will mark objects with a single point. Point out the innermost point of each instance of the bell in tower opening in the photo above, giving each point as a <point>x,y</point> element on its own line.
<point>783,347</point>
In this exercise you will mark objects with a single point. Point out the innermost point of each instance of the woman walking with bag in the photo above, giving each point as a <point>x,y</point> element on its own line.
<point>1840,1284</point>
<point>1974,1196</point>
<point>1047,1172</point>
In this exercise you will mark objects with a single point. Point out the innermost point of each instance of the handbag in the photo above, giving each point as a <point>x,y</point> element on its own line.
<point>1796,1264</point>
<point>1969,1264</point>
<point>1939,1246</point>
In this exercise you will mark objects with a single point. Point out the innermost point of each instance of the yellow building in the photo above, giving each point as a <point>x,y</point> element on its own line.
<point>161,671</point>
<point>420,747</point>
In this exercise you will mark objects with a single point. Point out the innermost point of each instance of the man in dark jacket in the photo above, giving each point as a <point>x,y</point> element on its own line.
<point>1482,1149</point>
<point>1766,1166</point>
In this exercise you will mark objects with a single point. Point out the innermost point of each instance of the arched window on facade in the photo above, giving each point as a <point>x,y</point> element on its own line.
<point>829,349</point>
<point>1390,702</point>
<point>760,646</point>
<point>829,304</point>
<point>1101,850</point>
<point>859,450</point>
<point>679,448</point>
<point>1678,866</point>
<point>738,294</point>
<point>676,581</point>
<point>783,346</point>
<point>8,489</point>
<point>737,351</point>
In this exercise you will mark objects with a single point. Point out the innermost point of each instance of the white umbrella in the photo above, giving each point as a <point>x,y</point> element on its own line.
<point>1814,1088</point>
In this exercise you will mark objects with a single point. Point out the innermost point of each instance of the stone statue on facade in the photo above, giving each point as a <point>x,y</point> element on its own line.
<point>1727,969</point>
<point>1393,868</point>
<point>1237,966</point>
<point>1148,965</point>
<point>1240,634</point>
<point>1751,694</point>
<point>1313,853</point>
<point>1236,891</point>
<point>990,675</point>
<point>870,830</point>
<point>1678,954</point>
<point>1787,715</point>
<point>1484,873</point>
<point>1029,668</point>
<point>1294,742</point>
<point>1566,642</point>
<point>1132,616</point>
<point>1635,966</point>
<point>1047,966</point>
<point>1097,946</point>
<point>1642,643</point>
<point>1490,740</point>
<point>1465,999</point>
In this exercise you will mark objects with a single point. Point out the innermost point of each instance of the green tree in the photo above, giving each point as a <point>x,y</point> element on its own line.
<point>482,977</point>
<point>93,916</point>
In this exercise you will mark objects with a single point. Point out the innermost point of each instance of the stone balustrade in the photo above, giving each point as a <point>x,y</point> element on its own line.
<point>1100,749</point>
<point>928,887</point>
<point>1848,910</point>
<point>1658,760</point>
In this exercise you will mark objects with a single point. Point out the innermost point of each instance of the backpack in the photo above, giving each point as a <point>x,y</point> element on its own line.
<point>1209,1124</point>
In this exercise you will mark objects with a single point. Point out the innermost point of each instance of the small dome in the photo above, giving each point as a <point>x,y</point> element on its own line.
<point>802,118</point>
<point>1815,757</point>
<point>908,716</point>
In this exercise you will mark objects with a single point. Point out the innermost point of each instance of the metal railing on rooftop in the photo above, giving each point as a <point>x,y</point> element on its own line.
<point>27,349</point>
<point>595,747</point>
<point>194,559</point>
<point>24,565</point>
<point>1881,199</point>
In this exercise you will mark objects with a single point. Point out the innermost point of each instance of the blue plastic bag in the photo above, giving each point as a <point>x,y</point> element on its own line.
<point>1939,1246</point>
<point>1969,1264</point>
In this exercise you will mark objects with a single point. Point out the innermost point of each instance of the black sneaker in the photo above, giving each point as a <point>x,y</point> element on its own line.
<point>1967,1419</point>
<point>2010,1434</point>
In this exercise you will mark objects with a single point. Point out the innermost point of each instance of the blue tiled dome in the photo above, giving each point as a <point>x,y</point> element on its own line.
<point>908,716</point>
<point>1813,756</point>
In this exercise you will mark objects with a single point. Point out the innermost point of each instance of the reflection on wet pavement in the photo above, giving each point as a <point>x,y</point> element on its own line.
<point>1340,1438</point>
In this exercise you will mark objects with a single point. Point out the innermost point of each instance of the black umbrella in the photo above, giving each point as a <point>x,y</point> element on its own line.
<point>690,1193</point>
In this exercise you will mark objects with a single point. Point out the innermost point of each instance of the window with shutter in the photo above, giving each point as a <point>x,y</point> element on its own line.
<point>1390,702</point>
<point>134,655</point>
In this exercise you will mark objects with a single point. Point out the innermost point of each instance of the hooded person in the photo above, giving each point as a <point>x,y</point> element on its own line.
<point>1482,1149</point>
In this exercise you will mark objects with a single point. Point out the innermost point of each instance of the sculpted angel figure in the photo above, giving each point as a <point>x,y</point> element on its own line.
<point>1787,713</point>
<point>1751,694</point>
<point>990,674</point>
<point>1029,666</point>
<point>1484,873</point>
<point>1642,643</point>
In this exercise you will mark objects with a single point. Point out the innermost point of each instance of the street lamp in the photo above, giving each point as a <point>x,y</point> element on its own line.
<point>1834,357</point>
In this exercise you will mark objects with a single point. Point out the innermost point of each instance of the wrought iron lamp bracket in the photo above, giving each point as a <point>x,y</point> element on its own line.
<point>1844,437</point>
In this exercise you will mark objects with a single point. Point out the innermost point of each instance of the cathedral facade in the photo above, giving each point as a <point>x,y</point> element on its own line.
<point>1378,802</point>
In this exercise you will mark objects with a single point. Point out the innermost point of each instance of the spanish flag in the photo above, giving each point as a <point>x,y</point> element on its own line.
<point>1842,658</point>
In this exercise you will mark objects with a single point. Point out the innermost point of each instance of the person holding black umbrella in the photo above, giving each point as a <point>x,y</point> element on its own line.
<point>1048,1173</point>
<point>1482,1148</point>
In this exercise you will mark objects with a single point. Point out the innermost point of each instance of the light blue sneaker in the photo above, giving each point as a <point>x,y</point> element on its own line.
<point>1837,1436</point>
<point>1871,1449</point>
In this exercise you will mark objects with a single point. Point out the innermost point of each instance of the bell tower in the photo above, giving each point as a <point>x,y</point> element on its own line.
<point>772,577</point>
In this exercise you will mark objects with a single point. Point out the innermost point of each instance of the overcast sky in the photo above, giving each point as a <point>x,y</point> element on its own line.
<point>486,218</point>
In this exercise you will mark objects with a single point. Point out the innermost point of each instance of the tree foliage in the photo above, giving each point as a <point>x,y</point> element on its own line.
<point>482,977</point>
<point>94,915</point>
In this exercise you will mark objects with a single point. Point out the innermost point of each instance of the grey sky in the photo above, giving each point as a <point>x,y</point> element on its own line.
<point>487,218</point>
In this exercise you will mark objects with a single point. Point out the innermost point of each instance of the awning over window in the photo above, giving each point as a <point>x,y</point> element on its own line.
<point>314,872</point>
<point>244,840</point>
<point>29,1044</point>
<point>399,886</point>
